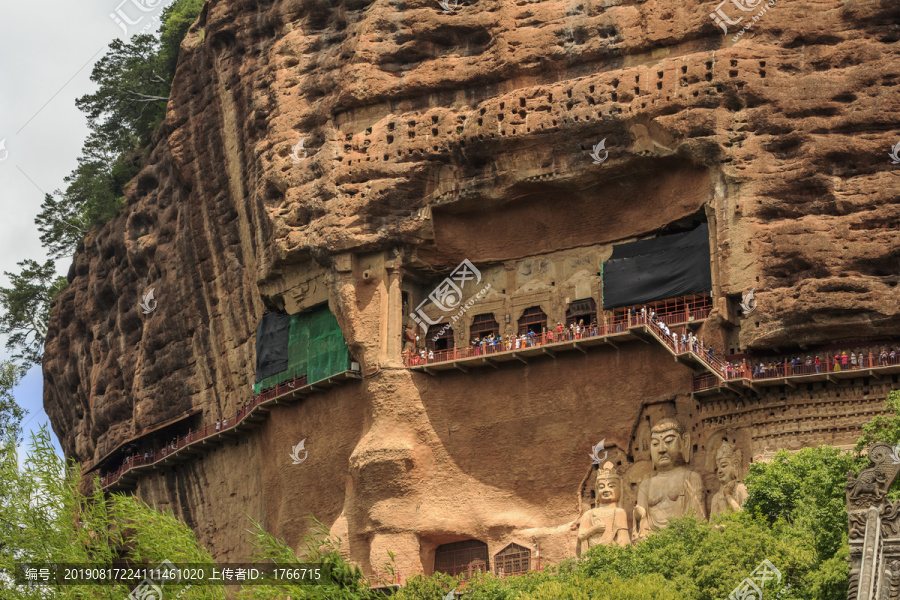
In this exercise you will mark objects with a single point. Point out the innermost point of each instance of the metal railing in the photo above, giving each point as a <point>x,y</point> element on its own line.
<point>212,429</point>
<point>559,335</point>
<point>785,368</point>
<point>675,310</point>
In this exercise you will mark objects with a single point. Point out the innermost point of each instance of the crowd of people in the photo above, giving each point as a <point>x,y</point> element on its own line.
<point>683,341</point>
<point>831,363</point>
<point>783,366</point>
<point>493,342</point>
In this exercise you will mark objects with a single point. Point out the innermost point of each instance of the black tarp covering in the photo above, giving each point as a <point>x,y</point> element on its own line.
<point>272,344</point>
<point>663,267</point>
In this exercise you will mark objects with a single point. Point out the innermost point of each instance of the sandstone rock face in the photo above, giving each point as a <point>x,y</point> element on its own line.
<point>434,137</point>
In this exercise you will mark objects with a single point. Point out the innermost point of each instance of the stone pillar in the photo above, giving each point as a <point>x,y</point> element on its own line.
<point>394,317</point>
<point>870,554</point>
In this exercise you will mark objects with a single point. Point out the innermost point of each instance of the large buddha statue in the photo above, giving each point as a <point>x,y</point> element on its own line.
<point>673,490</point>
<point>732,493</point>
<point>606,523</point>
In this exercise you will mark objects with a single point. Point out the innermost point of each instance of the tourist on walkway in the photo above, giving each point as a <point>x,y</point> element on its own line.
<point>845,361</point>
<point>430,355</point>
<point>218,425</point>
<point>853,360</point>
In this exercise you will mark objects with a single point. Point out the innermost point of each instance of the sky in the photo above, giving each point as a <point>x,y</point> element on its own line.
<point>47,52</point>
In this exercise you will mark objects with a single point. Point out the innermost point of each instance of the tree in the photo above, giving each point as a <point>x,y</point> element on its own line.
<point>134,79</point>
<point>176,20</point>
<point>11,413</point>
<point>94,196</point>
<point>133,89</point>
<point>882,428</point>
<point>47,519</point>
<point>807,489</point>
<point>26,308</point>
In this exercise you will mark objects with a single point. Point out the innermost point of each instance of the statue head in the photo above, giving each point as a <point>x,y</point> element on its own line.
<point>728,463</point>
<point>609,484</point>
<point>670,446</point>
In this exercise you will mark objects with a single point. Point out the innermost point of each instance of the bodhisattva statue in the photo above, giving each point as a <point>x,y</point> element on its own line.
<point>673,490</point>
<point>732,493</point>
<point>606,523</point>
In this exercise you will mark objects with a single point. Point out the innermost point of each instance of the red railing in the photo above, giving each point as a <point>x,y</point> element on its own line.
<point>619,324</point>
<point>675,310</point>
<point>784,368</point>
<point>147,458</point>
<point>705,381</point>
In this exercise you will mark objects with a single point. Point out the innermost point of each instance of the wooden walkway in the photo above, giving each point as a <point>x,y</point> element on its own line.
<point>210,437</point>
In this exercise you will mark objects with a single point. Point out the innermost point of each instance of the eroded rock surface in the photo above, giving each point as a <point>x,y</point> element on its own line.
<point>434,138</point>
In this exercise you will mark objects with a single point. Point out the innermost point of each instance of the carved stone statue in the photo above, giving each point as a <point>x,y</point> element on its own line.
<point>874,527</point>
<point>673,490</point>
<point>606,523</point>
<point>732,494</point>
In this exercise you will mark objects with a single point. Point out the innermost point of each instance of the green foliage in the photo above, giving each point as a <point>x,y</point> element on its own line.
<point>883,428</point>
<point>93,197</point>
<point>11,413</point>
<point>340,579</point>
<point>133,83</point>
<point>653,587</point>
<point>705,561</point>
<point>807,489</point>
<point>130,101</point>
<point>133,80</point>
<point>176,20</point>
<point>26,309</point>
<point>46,519</point>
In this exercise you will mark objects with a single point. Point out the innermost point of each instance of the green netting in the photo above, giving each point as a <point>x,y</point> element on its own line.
<point>316,348</point>
<point>328,352</point>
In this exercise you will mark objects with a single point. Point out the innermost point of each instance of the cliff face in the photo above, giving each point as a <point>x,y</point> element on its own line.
<point>435,137</point>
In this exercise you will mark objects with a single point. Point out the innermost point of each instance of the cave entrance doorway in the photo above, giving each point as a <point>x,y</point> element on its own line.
<point>533,319</point>
<point>439,338</point>
<point>583,311</point>
<point>483,326</point>
<point>512,560</point>
<point>462,558</point>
